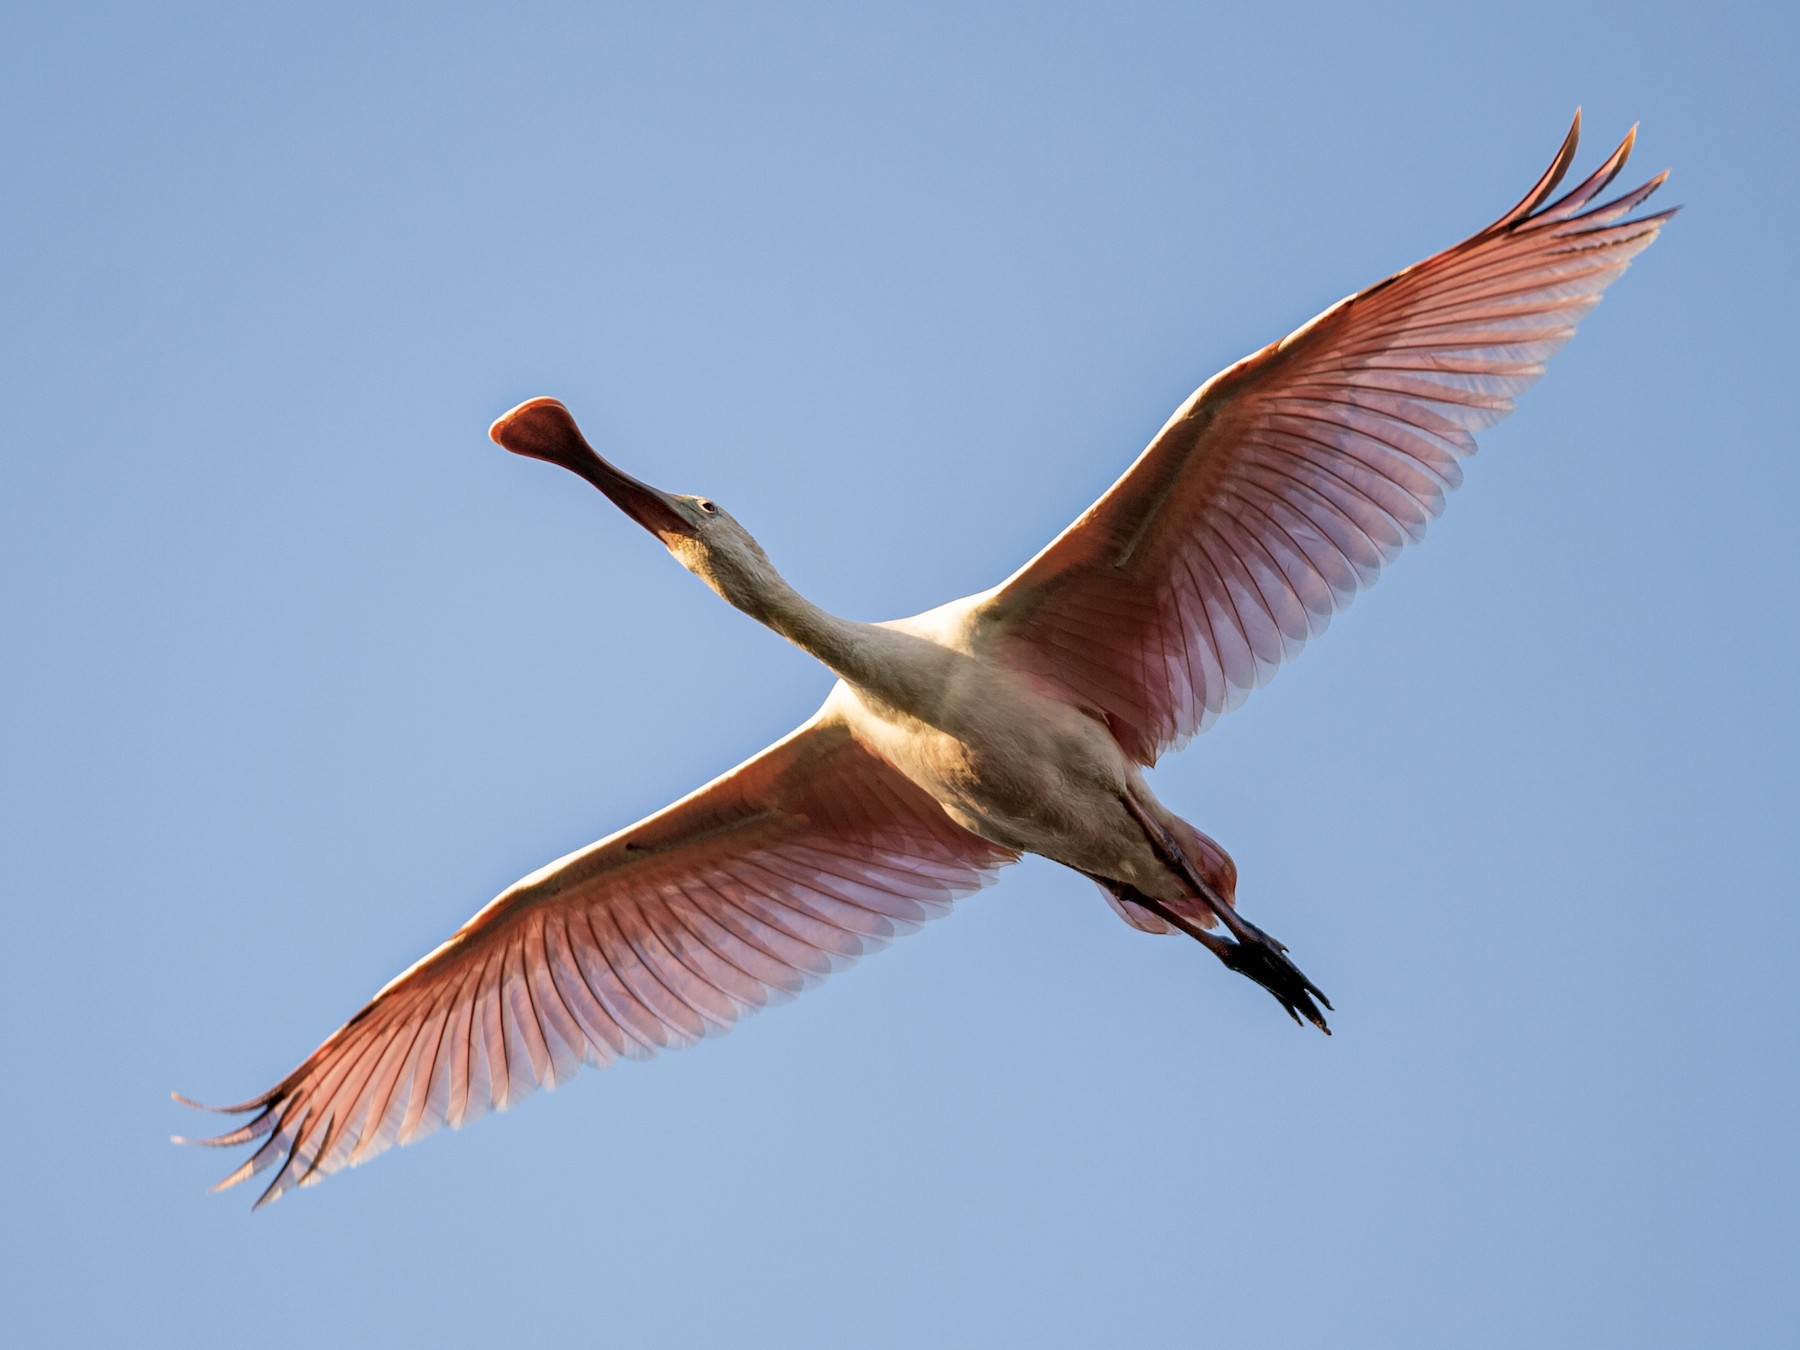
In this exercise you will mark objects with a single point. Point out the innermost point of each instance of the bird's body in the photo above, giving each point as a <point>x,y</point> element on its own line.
<point>1013,721</point>
<point>1006,759</point>
<point>1009,757</point>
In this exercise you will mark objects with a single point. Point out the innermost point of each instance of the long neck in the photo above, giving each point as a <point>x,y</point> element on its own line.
<point>853,651</point>
<point>843,645</point>
<point>906,671</point>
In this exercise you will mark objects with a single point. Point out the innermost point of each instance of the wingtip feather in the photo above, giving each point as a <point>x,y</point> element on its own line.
<point>241,1173</point>
<point>253,1104</point>
<point>1545,185</point>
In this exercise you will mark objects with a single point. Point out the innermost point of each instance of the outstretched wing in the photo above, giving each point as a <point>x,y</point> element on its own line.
<point>1281,487</point>
<point>751,889</point>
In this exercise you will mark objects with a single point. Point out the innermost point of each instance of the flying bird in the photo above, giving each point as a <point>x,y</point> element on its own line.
<point>1014,721</point>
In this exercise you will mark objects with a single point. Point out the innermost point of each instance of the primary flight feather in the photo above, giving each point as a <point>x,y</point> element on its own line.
<point>1012,721</point>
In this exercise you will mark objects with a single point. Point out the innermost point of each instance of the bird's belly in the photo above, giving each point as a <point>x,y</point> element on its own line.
<point>1024,771</point>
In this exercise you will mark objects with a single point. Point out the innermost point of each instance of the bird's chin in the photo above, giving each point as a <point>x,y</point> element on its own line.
<point>688,552</point>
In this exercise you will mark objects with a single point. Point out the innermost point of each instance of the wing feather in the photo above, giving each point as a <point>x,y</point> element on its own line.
<point>1286,483</point>
<point>744,893</point>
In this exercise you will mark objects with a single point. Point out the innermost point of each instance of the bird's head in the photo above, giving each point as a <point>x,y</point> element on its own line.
<point>702,535</point>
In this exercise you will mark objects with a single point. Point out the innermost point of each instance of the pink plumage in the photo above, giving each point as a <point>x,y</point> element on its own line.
<point>1012,720</point>
<point>1286,482</point>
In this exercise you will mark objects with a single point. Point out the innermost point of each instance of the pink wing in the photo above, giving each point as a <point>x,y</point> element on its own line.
<point>1282,486</point>
<point>749,890</point>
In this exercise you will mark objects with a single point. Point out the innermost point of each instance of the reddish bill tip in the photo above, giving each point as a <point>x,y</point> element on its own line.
<point>542,429</point>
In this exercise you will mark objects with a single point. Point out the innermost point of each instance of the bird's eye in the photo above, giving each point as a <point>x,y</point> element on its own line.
<point>708,507</point>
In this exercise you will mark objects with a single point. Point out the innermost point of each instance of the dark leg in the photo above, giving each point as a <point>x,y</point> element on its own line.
<point>1254,954</point>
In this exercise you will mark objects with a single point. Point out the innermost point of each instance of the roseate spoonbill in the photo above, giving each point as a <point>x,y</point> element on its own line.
<point>1012,721</point>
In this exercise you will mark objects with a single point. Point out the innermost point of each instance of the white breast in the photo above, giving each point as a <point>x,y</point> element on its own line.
<point>1005,760</point>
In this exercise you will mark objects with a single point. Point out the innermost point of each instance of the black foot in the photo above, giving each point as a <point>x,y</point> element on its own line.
<point>1254,954</point>
<point>1260,957</point>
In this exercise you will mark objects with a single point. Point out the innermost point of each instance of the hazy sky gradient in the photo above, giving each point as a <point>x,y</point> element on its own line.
<point>300,669</point>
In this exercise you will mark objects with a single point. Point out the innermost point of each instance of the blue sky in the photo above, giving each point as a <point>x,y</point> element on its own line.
<point>301,669</point>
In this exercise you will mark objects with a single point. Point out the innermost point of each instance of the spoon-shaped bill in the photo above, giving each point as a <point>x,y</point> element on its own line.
<point>541,428</point>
